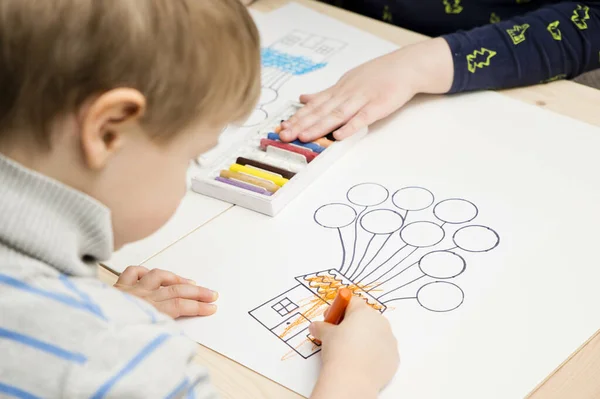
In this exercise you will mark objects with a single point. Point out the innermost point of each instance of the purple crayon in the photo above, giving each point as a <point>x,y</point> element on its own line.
<point>243,185</point>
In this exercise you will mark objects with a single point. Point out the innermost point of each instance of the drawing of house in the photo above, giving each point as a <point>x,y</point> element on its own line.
<point>288,315</point>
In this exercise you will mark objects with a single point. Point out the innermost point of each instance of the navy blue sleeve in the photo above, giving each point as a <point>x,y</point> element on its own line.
<point>556,42</point>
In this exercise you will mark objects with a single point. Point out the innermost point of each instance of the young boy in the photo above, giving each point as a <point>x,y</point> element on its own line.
<point>508,43</point>
<point>103,106</point>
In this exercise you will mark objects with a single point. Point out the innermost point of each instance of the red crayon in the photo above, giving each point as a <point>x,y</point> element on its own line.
<point>308,154</point>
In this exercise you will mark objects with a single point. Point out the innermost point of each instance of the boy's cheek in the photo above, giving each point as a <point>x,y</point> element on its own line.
<point>208,144</point>
<point>150,203</point>
<point>144,220</point>
<point>165,198</point>
<point>204,140</point>
<point>154,184</point>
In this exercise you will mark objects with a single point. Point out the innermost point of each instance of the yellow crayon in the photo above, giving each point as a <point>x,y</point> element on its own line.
<point>280,181</point>
<point>267,185</point>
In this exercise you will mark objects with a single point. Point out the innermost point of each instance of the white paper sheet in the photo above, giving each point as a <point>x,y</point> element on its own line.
<point>528,303</point>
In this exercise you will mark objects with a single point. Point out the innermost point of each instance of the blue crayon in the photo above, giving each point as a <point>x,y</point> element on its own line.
<point>311,146</point>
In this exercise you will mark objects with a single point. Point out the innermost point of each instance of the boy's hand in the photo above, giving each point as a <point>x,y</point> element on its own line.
<point>167,292</point>
<point>373,91</point>
<point>361,351</point>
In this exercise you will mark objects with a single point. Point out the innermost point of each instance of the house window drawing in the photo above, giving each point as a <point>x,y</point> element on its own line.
<point>284,307</point>
<point>395,250</point>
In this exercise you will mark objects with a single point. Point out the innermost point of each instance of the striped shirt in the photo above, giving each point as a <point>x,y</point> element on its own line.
<point>63,333</point>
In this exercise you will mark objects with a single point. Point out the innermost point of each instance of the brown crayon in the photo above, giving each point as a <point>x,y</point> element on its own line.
<point>269,168</point>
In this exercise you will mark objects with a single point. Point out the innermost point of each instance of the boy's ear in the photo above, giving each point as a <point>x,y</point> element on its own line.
<point>105,123</point>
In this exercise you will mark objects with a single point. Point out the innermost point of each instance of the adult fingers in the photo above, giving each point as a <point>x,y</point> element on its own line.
<point>185,291</point>
<point>178,307</point>
<point>131,275</point>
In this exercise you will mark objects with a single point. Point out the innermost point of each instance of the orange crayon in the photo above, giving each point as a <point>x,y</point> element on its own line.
<point>323,142</point>
<point>338,307</point>
<point>279,128</point>
<point>335,313</point>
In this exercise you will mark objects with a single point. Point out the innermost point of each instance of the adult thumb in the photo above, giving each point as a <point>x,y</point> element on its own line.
<point>320,329</point>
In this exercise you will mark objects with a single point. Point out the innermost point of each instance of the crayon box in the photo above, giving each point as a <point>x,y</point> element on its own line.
<point>262,173</point>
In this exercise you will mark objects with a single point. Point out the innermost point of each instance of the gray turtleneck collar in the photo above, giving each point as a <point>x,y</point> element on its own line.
<point>44,219</point>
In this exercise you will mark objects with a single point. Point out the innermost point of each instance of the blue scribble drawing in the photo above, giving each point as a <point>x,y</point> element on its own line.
<point>294,55</point>
<point>289,63</point>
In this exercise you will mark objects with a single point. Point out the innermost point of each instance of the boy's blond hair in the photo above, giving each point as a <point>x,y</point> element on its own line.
<point>192,59</point>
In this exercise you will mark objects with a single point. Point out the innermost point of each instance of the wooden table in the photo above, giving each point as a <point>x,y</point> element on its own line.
<point>576,378</point>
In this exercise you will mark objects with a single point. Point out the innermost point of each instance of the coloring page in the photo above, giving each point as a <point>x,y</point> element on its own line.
<point>469,222</point>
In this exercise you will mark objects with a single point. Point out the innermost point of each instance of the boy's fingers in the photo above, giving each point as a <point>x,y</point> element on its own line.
<point>310,119</point>
<point>336,118</point>
<point>185,291</point>
<point>356,305</point>
<point>132,275</point>
<point>305,98</point>
<point>307,116</point>
<point>312,102</point>
<point>156,278</point>
<point>320,330</point>
<point>178,307</point>
<point>363,118</point>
